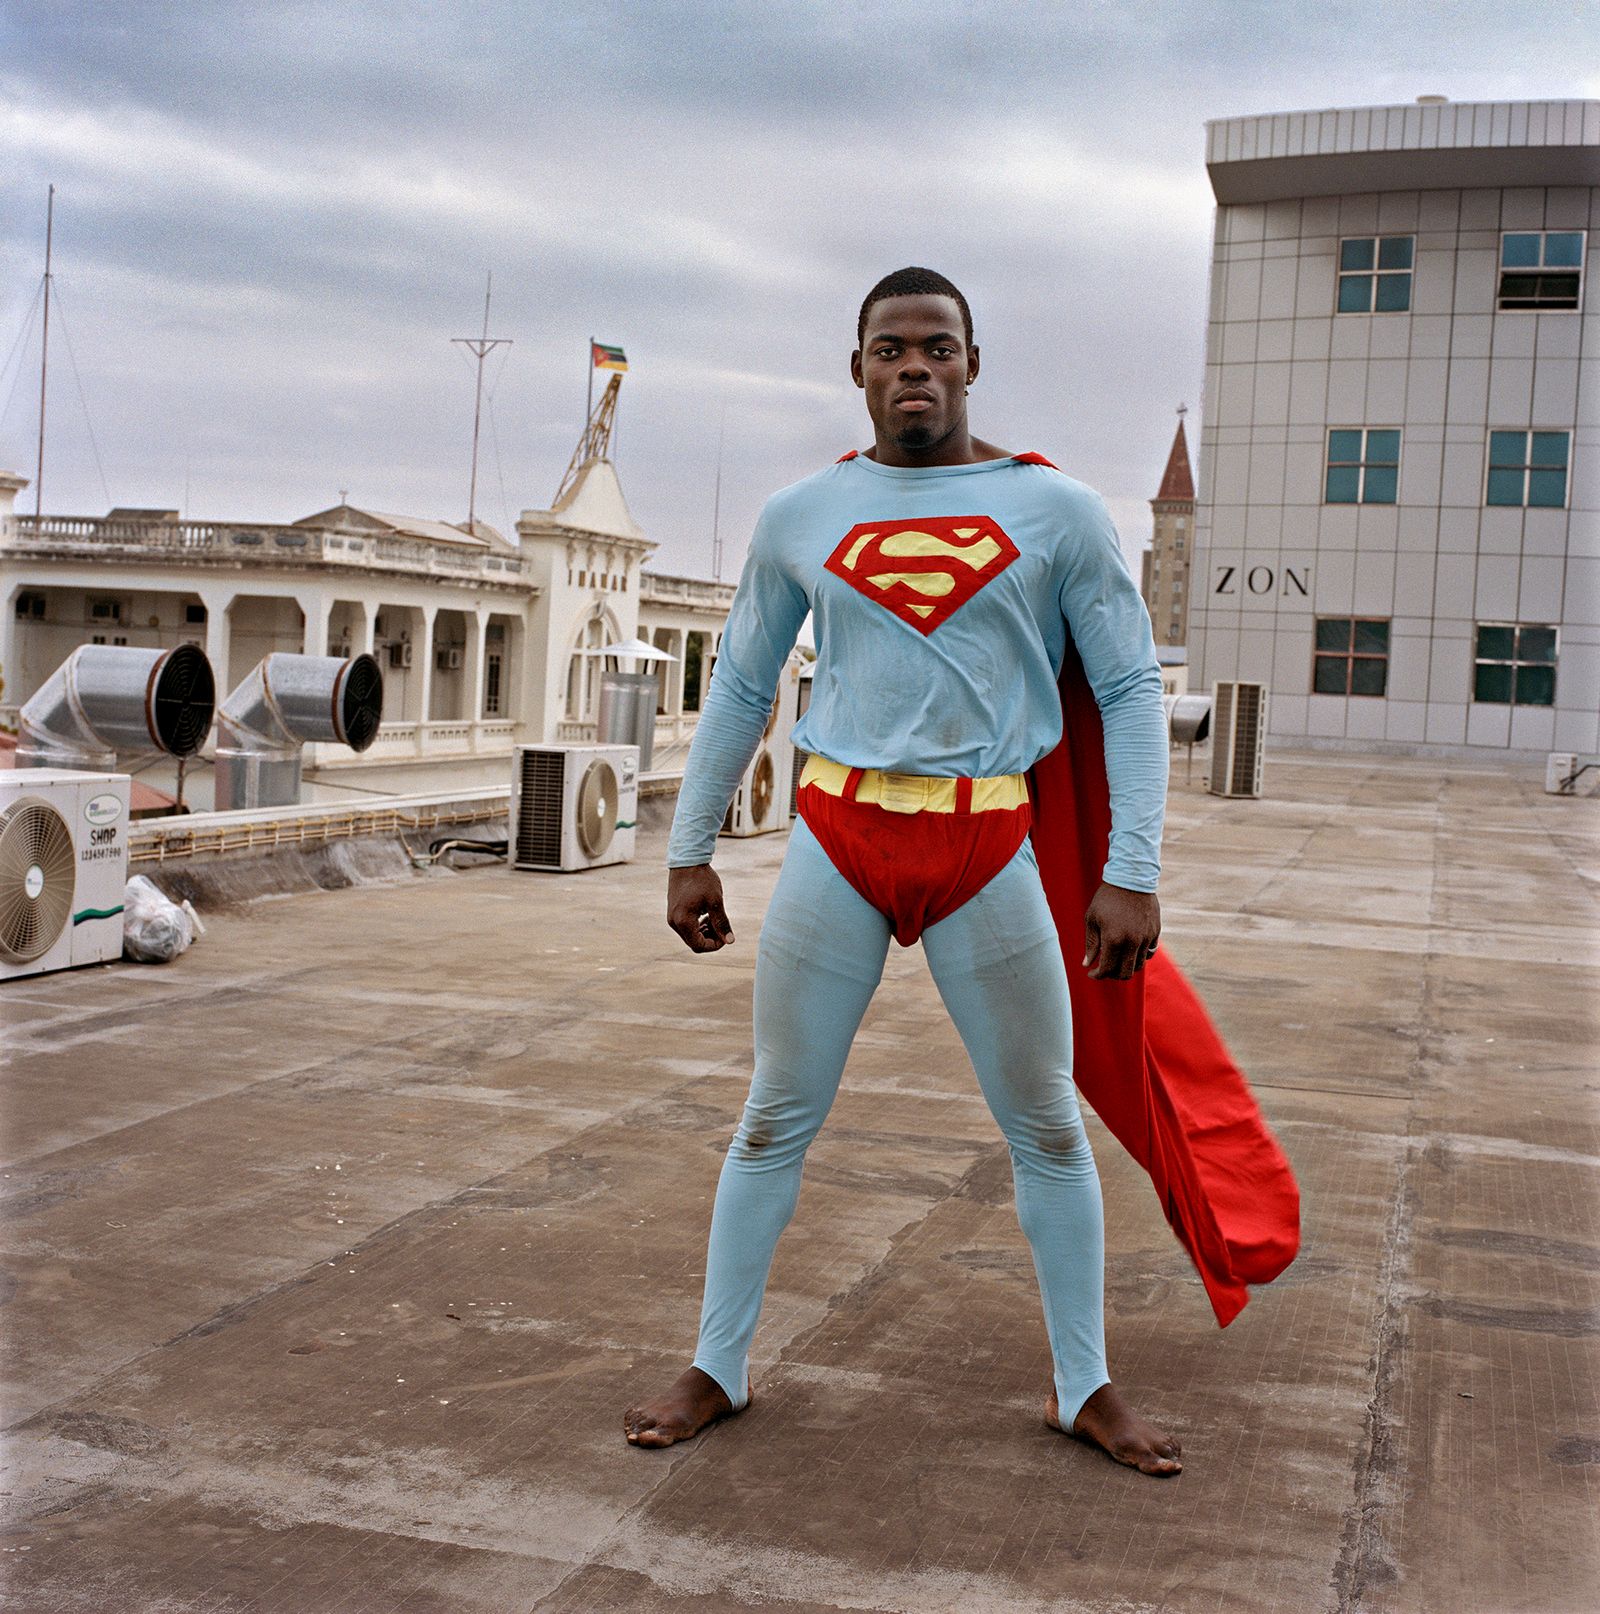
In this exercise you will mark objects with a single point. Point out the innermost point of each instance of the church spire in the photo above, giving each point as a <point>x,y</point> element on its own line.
<point>1177,483</point>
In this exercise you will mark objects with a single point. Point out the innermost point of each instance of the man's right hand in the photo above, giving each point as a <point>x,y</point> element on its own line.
<point>694,908</point>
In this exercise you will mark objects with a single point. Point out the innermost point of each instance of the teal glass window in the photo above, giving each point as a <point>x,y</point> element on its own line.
<point>1528,468</point>
<point>1375,274</point>
<point>1514,664</point>
<point>1351,656</point>
<point>1363,466</point>
<point>1541,270</point>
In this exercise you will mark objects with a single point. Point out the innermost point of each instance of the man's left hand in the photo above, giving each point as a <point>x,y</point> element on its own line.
<point>1119,932</point>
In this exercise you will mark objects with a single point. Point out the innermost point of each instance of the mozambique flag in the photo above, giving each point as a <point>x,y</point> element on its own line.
<point>607,358</point>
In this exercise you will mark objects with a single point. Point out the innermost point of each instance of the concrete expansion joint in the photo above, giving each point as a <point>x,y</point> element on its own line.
<point>1366,1561</point>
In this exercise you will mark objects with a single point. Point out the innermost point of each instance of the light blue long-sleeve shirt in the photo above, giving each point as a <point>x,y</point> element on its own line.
<point>879,554</point>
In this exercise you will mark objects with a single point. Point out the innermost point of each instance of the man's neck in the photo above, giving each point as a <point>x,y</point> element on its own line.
<point>960,447</point>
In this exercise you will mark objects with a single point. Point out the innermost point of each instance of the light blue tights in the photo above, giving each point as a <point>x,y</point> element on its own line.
<point>997,963</point>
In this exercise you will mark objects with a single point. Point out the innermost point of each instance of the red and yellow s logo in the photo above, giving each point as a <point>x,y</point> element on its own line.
<point>923,572</point>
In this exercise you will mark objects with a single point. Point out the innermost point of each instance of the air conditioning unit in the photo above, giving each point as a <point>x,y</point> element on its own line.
<point>764,799</point>
<point>63,866</point>
<point>400,654</point>
<point>573,806</point>
<point>1568,774</point>
<point>448,660</point>
<point>1238,736</point>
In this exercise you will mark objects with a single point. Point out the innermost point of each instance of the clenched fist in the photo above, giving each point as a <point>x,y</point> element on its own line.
<point>694,908</point>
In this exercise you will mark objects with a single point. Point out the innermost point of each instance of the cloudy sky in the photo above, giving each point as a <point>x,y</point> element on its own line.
<point>272,218</point>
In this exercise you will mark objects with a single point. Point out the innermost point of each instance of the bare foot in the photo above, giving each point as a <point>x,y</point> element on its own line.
<point>695,1400</point>
<point>1107,1421</point>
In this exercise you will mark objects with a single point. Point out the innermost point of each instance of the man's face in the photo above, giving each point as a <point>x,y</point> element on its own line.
<point>915,367</point>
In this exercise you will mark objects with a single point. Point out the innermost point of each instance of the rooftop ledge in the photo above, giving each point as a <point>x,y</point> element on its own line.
<point>250,544</point>
<point>1434,145</point>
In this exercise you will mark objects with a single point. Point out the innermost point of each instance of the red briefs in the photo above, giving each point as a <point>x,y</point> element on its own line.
<point>915,847</point>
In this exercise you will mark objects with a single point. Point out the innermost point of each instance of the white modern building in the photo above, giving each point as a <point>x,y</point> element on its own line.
<point>1398,524</point>
<point>480,638</point>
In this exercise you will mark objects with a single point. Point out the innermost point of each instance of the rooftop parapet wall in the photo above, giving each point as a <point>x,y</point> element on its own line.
<point>252,544</point>
<point>1424,146</point>
<point>656,588</point>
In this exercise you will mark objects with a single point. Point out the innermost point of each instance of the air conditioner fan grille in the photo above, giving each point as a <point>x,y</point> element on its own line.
<point>38,877</point>
<point>597,808</point>
<point>763,788</point>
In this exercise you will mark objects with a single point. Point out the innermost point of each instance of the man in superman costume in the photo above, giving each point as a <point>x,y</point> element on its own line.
<point>985,668</point>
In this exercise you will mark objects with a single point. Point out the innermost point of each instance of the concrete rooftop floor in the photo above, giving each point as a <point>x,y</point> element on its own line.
<point>337,1248</point>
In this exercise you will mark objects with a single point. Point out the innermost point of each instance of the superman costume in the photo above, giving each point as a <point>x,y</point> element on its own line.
<point>960,613</point>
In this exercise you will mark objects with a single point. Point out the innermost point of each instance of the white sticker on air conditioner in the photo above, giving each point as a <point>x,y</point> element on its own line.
<point>106,808</point>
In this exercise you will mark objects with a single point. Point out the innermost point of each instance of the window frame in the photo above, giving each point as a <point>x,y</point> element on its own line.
<point>1514,662</point>
<point>493,681</point>
<point>1541,269</point>
<point>1341,274</point>
<point>1362,465</point>
<point>1527,467</point>
<point>1349,656</point>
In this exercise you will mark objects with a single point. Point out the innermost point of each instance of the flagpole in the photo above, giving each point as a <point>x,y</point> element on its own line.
<point>588,402</point>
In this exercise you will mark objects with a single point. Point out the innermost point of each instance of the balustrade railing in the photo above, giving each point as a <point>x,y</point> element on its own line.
<point>252,544</point>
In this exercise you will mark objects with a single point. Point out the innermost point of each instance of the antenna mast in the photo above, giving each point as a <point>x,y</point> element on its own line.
<point>595,444</point>
<point>44,354</point>
<point>482,346</point>
<point>716,501</point>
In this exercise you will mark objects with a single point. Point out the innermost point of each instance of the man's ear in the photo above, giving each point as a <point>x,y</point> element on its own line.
<point>972,365</point>
<point>855,369</point>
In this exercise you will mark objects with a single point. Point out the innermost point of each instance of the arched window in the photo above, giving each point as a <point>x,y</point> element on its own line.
<point>583,672</point>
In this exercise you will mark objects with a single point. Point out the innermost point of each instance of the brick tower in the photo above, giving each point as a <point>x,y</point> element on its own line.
<point>1166,561</point>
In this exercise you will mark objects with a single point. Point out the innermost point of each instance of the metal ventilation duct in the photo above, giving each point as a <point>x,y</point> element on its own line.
<point>286,701</point>
<point>1188,719</point>
<point>108,698</point>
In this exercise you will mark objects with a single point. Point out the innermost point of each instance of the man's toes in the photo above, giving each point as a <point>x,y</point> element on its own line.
<point>639,1427</point>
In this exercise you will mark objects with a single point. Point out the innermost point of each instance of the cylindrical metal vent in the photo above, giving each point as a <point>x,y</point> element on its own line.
<point>1188,718</point>
<point>108,698</point>
<point>284,702</point>
<point>628,712</point>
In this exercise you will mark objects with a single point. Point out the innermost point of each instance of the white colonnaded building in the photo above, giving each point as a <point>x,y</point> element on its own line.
<point>1398,523</point>
<point>480,637</point>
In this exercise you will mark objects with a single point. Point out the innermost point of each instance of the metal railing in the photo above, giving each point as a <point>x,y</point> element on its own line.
<point>253,544</point>
<point>166,840</point>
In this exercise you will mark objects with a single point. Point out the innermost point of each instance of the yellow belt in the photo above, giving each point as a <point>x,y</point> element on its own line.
<point>914,792</point>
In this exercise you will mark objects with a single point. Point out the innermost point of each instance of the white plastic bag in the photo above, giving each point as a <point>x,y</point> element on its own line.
<point>154,928</point>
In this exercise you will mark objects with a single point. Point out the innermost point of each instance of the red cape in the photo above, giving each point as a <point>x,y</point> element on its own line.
<point>1147,1056</point>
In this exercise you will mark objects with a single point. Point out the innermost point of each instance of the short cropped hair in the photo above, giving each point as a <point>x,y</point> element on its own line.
<point>913,283</point>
